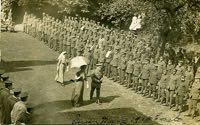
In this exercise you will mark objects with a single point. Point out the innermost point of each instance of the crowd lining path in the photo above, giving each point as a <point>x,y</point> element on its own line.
<point>31,65</point>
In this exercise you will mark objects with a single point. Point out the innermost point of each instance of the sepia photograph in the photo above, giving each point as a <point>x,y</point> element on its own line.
<point>100,62</point>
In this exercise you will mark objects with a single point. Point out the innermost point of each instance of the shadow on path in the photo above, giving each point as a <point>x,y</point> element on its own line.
<point>100,116</point>
<point>44,113</point>
<point>107,99</point>
<point>15,66</point>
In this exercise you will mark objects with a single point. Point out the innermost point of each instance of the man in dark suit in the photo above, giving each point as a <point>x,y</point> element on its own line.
<point>4,94</point>
<point>12,99</point>
<point>96,77</point>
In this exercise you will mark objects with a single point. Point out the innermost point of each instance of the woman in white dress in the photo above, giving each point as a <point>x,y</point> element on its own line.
<point>61,67</point>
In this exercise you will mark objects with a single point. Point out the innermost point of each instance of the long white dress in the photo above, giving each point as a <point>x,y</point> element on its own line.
<point>61,67</point>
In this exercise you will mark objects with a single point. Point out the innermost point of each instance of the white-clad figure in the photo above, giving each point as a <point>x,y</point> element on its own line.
<point>61,67</point>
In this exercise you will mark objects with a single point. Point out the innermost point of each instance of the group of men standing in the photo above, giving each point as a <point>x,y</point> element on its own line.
<point>168,78</point>
<point>12,102</point>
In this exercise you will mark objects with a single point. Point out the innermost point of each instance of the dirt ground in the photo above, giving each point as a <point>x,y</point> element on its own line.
<point>32,66</point>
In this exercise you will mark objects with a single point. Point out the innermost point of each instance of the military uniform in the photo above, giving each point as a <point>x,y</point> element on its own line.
<point>115,63</point>
<point>11,101</point>
<point>180,70</point>
<point>122,68</point>
<point>162,87</point>
<point>161,65</point>
<point>96,77</point>
<point>144,76</point>
<point>153,81</point>
<point>129,70</point>
<point>189,77</point>
<point>87,54</point>
<point>181,91</point>
<point>25,19</point>
<point>172,85</point>
<point>5,93</point>
<point>136,72</point>
<point>109,56</point>
<point>102,56</point>
<point>194,98</point>
<point>95,56</point>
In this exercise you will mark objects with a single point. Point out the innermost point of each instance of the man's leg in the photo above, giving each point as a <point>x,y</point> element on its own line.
<point>98,93</point>
<point>92,92</point>
<point>109,70</point>
<point>171,97</point>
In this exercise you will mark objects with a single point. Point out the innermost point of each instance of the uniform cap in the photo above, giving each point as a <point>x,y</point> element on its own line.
<point>8,82</point>
<point>23,95</point>
<point>17,90</point>
<point>4,76</point>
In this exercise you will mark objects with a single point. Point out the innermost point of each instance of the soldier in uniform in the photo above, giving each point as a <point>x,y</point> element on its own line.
<point>56,38</point>
<point>189,76</point>
<point>115,63</point>
<point>170,67</point>
<point>181,93</point>
<point>51,35</point>
<point>109,56</point>
<point>5,93</point>
<point>95,55</point>
<point>162,84</point>
<point>136,72</point>
<point>144,76</point>
<point>28,24</point>
<point>87,55</point>
<point>11,101</point>
<point>25,19</point>
<point>180,68</point>
<point>161,63</point>
<point>194,97</point>
<point>129,71</point>
<point>122,67</point>
<point>39,30</point>
<point>96,77</point>
<point>102,57</point>
<point>153,81</point>
<point>61,40</point>
<point>172,85</point>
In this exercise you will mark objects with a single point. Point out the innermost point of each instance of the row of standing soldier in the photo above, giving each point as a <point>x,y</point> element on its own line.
<point>134,64</point>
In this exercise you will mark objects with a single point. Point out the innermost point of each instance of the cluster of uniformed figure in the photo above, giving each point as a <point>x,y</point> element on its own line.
<point>12,102</point>
<point>171,79</point>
